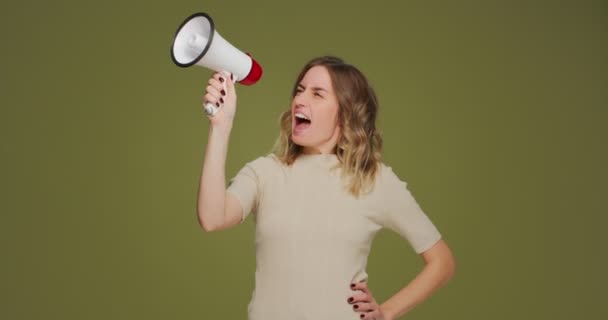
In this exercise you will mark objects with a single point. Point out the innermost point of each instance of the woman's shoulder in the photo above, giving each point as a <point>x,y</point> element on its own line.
<point>265,162</point>
<point>388,175</point>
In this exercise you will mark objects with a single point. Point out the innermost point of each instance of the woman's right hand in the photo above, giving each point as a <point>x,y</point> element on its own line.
<point>221,93</point>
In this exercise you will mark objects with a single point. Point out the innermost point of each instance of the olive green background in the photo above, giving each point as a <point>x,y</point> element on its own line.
<point>494,112</point>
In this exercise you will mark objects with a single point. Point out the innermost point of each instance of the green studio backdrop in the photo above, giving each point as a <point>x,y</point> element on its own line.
<point>494,112</point>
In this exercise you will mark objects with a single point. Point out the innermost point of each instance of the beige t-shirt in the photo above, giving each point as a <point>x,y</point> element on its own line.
<point>313,238</point>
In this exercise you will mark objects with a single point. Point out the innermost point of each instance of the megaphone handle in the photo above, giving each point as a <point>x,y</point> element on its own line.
<point>211,109</point>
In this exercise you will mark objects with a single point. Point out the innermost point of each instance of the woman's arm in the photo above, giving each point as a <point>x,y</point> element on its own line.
<point>440,267</point>
<point>212,188</point>
<point>211,193</point>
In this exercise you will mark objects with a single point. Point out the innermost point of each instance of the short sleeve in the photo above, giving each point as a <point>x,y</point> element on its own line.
<point>244,186</point>
<point>402,214</point>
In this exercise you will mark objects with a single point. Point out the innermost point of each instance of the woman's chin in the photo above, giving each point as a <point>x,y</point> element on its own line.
<point>297,139</point>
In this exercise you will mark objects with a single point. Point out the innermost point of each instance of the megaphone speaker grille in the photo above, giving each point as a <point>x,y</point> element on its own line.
<point>192,39</point>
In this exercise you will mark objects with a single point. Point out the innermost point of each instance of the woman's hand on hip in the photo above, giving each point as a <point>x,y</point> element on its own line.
<point>363,302</point>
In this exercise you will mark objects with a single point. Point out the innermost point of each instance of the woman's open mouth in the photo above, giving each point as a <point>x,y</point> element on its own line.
<point>301,123</point>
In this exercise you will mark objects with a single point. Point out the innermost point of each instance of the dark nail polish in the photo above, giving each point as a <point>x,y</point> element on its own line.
<point>350,299</point>
<point>356,306</point>
<point>352,285</point>
<point>217,104</point>
<point>362,315</point>
<point>221,100</point>
<point>223,92</point>
<point>231,77</point>
<point>221,79</point>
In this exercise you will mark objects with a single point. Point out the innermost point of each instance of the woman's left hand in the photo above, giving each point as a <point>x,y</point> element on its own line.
<point>364,303</point>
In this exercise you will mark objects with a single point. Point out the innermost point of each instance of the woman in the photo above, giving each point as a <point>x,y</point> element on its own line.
<point>319,198</point>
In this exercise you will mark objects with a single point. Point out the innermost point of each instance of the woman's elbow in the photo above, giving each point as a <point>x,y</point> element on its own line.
<point>204,223</point>
<point>441,256</point>
<point>450,267</point>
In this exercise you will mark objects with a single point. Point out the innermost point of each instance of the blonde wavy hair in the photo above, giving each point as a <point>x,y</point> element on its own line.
<point>359,146</point>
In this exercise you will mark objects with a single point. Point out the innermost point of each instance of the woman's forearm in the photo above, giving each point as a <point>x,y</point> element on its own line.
<point>434,275</point>
<point>212,188</point>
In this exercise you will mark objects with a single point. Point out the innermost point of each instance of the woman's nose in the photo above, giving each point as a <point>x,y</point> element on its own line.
<point>300,99</point>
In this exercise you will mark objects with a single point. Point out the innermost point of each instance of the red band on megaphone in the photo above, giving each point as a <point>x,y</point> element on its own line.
<point>254,74</point>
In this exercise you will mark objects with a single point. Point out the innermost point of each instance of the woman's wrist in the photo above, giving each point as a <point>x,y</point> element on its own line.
<point>387,314</point>
<point>220,128</point>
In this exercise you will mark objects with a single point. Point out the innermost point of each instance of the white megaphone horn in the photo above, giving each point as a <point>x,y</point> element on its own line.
<point>198,43</point>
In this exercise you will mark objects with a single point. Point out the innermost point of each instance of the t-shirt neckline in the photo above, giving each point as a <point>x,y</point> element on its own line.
<point>317,155</point>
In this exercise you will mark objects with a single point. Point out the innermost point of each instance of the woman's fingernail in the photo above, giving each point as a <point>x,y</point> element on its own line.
<point>217,104</point>
<point>221,79</point>
<point>350,299</point>
<point>221,100</point>
<point>352,285</point>
<point>356,306</point>
<point>223,92</point>
<point>362,315</point>
<point>231,77</point>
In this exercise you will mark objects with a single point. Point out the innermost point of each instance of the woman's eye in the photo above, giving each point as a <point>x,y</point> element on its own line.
<point>318,95</point>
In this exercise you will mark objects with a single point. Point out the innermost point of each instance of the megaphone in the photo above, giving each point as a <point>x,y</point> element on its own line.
<point>197,42</point>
